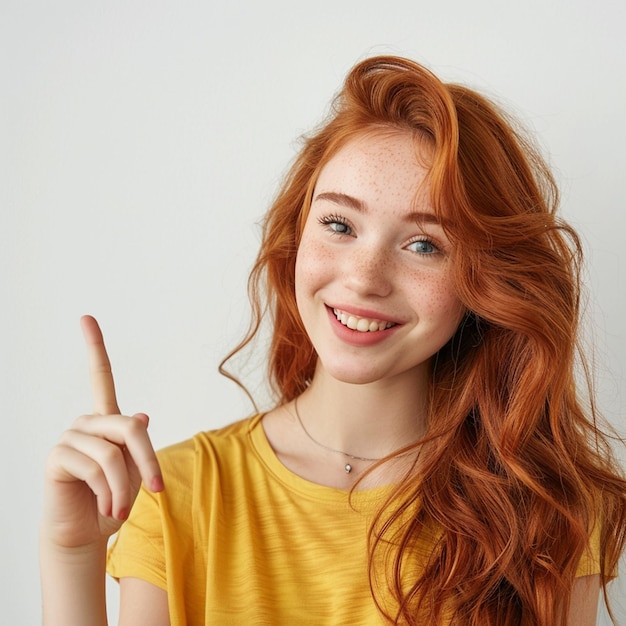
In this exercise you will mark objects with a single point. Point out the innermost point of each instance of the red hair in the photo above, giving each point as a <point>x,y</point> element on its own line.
<point>513,472</point>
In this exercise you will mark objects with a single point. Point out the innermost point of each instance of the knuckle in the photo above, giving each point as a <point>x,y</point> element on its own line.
<point>66,438</point>
<point>54,456</point>
<point>80,422</point>
<point>93,474</point>
<point>135,427</point>
<point>111,455</point>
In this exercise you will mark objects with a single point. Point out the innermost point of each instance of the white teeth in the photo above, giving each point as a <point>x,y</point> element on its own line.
<point>361,324</point>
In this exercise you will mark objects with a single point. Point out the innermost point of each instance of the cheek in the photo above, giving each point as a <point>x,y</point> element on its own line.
<point>436,297</point>
<point>313,263</point>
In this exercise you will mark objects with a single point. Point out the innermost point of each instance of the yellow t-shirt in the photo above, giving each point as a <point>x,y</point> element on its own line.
<point>236,538</point>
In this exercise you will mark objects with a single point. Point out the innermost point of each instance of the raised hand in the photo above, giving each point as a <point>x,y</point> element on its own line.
<point>94,473</point>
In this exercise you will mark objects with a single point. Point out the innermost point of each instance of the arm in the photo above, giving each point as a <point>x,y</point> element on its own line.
<point>72,584</point>
<point>92,478</point>
<point>142,603</point>
<point>583,607</point>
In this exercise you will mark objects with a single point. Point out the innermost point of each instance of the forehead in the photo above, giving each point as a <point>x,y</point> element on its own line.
<point>389,166</point>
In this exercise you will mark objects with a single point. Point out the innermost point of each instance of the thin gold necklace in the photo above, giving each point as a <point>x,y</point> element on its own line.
<point>354,457</point>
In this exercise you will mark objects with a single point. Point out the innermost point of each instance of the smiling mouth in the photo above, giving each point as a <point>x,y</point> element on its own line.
<point>361,324</point>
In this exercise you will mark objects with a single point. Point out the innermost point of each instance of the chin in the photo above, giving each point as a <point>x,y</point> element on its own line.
<point>351,378</point>
<point>350,373</point>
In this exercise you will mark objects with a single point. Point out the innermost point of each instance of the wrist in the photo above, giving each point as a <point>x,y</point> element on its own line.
<point>73,583</point>
<point>72,553</point>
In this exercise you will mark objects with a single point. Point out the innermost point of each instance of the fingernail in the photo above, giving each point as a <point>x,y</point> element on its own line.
<point>122,515</point>
<point>156,484</point>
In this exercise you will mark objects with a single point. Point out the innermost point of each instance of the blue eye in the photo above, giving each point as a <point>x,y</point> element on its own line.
<point>341,229</point>
<point>423,246</point>
<point>336,224</point>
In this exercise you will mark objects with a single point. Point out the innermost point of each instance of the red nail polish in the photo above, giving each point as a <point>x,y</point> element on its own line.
<point>156,484</point>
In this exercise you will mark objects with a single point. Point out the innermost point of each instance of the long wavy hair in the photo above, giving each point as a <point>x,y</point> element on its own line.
<point>514,473</point>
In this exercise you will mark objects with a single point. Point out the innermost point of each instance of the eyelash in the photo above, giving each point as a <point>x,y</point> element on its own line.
<point>329,220</point>
<point>429,241</point>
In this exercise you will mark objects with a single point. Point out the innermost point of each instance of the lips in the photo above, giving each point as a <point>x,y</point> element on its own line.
<point>362,324</point>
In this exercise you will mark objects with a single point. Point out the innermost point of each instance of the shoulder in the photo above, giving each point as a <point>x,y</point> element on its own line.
<point>196,468</point>
<point>208,448</point>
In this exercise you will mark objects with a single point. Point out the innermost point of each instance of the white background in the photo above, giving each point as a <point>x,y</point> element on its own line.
<point>141,142</point>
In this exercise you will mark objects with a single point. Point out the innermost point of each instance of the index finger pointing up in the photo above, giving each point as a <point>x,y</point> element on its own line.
<point>102,385</point>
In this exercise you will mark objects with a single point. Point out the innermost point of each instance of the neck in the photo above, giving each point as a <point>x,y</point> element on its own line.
<point>371,420</point>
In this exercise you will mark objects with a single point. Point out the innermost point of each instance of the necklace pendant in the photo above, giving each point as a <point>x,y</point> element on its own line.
<point>348,468</point>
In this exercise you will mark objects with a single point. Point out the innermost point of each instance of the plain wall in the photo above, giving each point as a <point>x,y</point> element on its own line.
<point>142,141</point>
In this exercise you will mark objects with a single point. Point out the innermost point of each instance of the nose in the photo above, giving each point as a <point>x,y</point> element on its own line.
<point>367,271</point>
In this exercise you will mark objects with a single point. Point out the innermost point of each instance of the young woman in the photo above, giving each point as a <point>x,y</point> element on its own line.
<point>428,460</point>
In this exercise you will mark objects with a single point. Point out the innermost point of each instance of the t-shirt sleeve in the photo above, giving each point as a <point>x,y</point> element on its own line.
<point>157,522</point>
<point>137,550</point>
<point>590,562</point>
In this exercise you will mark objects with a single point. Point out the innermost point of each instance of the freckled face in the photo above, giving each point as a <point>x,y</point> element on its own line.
<point>373,282</point>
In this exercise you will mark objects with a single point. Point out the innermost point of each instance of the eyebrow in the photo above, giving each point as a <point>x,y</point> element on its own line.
<point>351,202</point>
